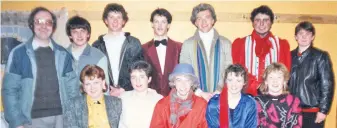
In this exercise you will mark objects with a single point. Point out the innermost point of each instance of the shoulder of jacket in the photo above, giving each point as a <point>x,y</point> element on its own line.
<point>224,40</point>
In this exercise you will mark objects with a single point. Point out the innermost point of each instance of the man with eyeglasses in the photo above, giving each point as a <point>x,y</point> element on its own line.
<point>38,78</point>
<point>260,49</point>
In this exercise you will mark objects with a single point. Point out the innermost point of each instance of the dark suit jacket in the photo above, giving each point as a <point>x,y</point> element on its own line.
<point>160,79</point>
<point>76,112</point>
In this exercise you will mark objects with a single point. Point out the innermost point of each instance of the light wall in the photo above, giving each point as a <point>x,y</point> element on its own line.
<point>140,26</point>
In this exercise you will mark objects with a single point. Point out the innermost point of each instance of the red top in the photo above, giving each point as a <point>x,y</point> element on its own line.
<point>262,48</point>
<point>194,119</point>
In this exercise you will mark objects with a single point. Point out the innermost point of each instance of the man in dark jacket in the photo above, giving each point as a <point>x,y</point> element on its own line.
<point>311,77</point>
<point>120,47</point>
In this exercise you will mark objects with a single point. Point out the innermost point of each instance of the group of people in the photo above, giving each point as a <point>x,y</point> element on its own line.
<point>207,81</point>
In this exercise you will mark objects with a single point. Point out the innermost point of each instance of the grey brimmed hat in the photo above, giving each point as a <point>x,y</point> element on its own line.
<point>184,69</point>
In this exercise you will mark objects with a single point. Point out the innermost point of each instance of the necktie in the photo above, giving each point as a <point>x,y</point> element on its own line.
<point>163,42</point>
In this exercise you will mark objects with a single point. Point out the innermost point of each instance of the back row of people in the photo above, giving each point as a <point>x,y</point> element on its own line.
<point>49,83</point>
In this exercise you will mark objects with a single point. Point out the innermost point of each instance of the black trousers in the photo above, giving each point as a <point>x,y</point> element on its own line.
<point>309,120</point>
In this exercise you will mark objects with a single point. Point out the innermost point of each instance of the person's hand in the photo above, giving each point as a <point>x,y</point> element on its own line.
<point>320,117</point>
<point>20,126</point>
<point>115,91</point>
<point>206,95</point>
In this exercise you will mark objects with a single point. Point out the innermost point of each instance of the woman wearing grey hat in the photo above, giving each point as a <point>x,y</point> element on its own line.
<point>181,108</point>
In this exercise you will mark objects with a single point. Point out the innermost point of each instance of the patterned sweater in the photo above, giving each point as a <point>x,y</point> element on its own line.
<point>281,111</point>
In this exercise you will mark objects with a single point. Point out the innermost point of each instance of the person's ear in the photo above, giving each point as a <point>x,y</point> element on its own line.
<point>149,80</point>
<point>103,85</point>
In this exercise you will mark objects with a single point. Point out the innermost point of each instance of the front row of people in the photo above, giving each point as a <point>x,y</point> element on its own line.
<point>144,107</point>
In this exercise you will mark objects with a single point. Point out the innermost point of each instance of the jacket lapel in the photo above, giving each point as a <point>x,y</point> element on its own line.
<point>110,111</point>
<point>211,63</point>
<point>152,53</point>
<point>200,45</point>
<point>171,56</point>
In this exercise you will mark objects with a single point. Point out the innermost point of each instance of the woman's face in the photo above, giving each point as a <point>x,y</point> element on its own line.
<point>235,83</point>
<point>183,85</point>
<point>275,82</point>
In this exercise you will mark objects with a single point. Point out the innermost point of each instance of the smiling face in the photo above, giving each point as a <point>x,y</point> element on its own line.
<point>79,36</point>
<point>262,24</point>
<point>160,25</point>
<point>234,83</point>
<point>93,87</point>
<point>204,21</point>
<point>43,25</point>
<point>139,80</point>
<point>183,84</point>
<point>304,38</point>
<point>275,82</point>
<point>115,21</point>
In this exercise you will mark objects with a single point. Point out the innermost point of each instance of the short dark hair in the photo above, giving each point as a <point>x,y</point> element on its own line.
<point>305,25</point>
<point>37,10</point>
<point>92,71</point>
<point>162,12</point>
<point>263,9</point>
<point>114,7</point>
<point>141,65</point>
<point>202,7</point>
<point>76,22</point>
<point>239,71</point>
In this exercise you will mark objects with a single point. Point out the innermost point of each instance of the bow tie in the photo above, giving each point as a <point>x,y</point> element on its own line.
<point>163,42</point>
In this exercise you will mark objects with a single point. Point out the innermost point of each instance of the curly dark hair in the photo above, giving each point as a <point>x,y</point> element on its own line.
<point>114,7</point>
<point>263,9</point>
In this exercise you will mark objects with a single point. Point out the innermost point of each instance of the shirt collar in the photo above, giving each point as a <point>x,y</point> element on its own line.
<point>207,35</point>
<point>36,45</point>
<point>158,39</point>
<point>91,101</point>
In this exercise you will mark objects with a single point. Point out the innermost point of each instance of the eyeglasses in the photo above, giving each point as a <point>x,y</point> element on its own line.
<point>43,21</point>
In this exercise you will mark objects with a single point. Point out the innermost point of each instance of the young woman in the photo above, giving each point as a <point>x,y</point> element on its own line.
<point>241,107</point>
<point>138,104</point>
<point>181,108</point>
<point>276,107</point>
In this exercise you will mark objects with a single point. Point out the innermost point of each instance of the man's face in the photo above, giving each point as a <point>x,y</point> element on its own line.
<point>43,25</point>
<point>304,38</point>
<point>93,87</point>
<point>160,25</point>
<point>204,21</point>
<point>262,24</point>
<point>115,21</point>
<point>79,36</point>
<point>139,80</point>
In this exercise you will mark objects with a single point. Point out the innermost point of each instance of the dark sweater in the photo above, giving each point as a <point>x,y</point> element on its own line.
<point>46,95</point>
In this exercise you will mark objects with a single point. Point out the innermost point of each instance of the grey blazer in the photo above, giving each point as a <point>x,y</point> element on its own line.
<point>76,112</point>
